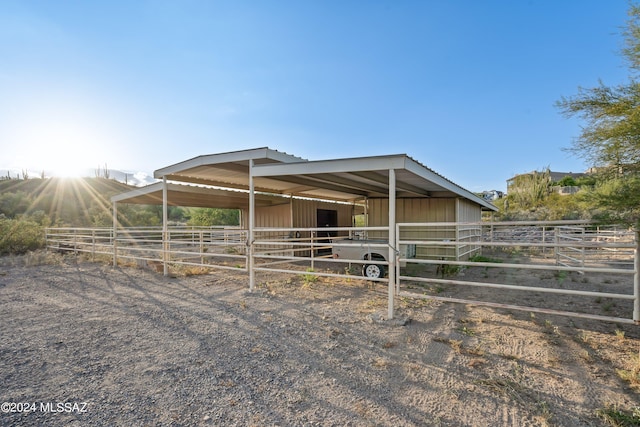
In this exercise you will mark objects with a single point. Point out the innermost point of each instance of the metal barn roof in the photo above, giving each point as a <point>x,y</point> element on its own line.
<point>196,196</point>
<point>228,170</point>
<point>345,180</point>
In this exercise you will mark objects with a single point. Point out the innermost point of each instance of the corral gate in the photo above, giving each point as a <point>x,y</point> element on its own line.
<point>576,260</point>
<point>608,258</point>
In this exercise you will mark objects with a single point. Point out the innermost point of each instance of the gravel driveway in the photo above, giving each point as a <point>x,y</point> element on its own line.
<point>86,344</point>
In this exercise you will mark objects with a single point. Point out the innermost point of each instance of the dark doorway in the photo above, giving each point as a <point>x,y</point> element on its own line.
<point>326,218</point>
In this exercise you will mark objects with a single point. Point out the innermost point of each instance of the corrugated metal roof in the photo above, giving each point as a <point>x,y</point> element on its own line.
<point>346,180</point>
<point>364,177</point>
<point>196,196</point>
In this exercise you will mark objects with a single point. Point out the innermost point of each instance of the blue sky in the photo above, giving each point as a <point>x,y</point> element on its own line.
<point>465,87</point>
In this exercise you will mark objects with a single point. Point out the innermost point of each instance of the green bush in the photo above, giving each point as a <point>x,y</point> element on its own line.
<point>207,217</point>
<point>14,204</point>
<point>18,236</point>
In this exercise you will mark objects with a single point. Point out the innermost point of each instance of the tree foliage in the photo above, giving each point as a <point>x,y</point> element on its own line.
<point>534,197</point>
<point>28,206</point>
<point>530,190</point>
<point>18,236</point>
<point>13,204</point>
<point>618,200</point>
<point>207,217</point>
<point>85,202</point>
<point>610,136</point>
<point>552,207</point>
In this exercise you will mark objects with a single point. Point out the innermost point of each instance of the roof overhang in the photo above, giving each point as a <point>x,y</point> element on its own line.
<point>344,180</point>
<point>365,177</point>
<point>228,170</point>
<point>196,196</point>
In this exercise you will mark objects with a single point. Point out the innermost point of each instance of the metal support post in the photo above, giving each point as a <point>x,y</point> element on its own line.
<point>165,228</point>
<point>114,234</point>
<point>636,280</point>
<point>392,241</point>
<point>252,216</point>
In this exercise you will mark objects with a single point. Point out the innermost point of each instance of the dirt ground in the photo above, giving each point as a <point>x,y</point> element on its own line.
<point>126,346</point>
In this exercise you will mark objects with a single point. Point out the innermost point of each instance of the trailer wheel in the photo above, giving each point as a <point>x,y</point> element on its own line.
<point>373,271</point>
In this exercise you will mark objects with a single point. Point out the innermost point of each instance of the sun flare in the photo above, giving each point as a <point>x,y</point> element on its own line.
<point>66,168</point>
<point>63,141</point>
<point>64,160</point>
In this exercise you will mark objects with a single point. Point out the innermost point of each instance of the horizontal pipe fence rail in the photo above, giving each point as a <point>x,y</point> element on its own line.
<point>559,248</point>
<point>95,241</point>
<point>432,260</point>
<point>202,246</point>
<point>310,251</point>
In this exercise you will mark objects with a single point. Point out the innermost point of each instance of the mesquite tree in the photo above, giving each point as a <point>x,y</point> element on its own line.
<point>610,136</point>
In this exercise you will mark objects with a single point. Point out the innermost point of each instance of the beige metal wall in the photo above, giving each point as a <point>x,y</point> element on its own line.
<point>468,211</point>
<point>268,216</point>
<point>412,210</point>
<point>274,216</point>
<point>426,210</point>
<point>305,213</point>
<point>298,213</point>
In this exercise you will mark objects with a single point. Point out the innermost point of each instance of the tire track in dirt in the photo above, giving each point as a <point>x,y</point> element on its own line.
<point>201,350</point>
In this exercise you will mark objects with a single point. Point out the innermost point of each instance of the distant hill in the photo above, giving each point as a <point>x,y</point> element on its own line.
<point>37,186</point>
<point>66,201</point>
<point>137,179</point>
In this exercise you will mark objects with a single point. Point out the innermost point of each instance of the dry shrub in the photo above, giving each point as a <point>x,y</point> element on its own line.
<point>380,362</point>
<point>632,374</point>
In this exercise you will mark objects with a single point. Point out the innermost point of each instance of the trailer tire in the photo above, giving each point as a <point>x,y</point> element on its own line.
<point>373,271</point>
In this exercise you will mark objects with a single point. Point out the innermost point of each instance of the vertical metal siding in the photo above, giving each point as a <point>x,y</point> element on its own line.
<point>468,211</point>
<point>299,213</point>
<point>412,210</point>
<point>305,213</point>
<point>273,216</point>
<point>425,210</point>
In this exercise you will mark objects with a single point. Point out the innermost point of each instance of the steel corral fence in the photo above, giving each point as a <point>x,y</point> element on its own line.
<point>311,250</point>
<point>423,251</point>
<point>94,241</point>
<point>555,246</point>
<point>216,247</point>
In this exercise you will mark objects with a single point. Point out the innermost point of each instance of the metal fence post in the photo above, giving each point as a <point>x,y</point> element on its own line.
<point>457,234</point>
<point>312,250</point>
<point>201,247</point>
<point>396,245</point>
<point>114,241</point>
<point>556,249</point>
<point>491,233</point>
<point>584,249</point>
<point>636,281</point>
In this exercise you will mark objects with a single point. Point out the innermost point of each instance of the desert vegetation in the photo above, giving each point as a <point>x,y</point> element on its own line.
<point>299,350</point>
<point>599,198</point>
<point>28,205</point>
